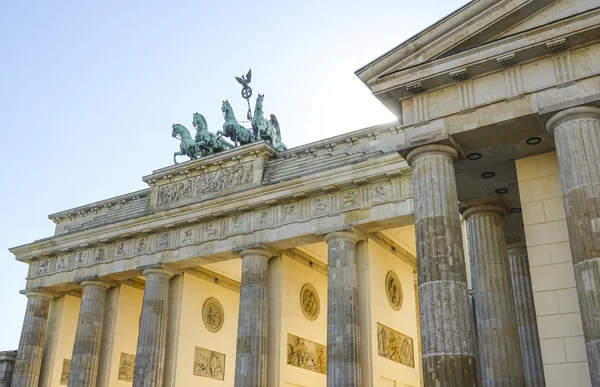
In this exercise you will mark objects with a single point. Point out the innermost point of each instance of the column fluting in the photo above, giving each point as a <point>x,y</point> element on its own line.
<point>446,329</point>
<point>86,350</point>
<point>150,353</point>
<point>526,318</point>
<point>343,357</point>
<point>251,349</point>
<point>500,357</point>
<point>577,136</point>
<point>31,345</point>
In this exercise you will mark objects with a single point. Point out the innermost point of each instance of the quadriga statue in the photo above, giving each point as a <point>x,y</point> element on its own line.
<point>204,144</point>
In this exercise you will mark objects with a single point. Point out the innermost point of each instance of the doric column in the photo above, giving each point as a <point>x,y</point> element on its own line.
<point>251,350</point>
<point>577,137</point>
<point>150,353</point>
<point>31,344</point>
<point>86,350</point>
<point>343,361</point>
<point>495,315</point>
<point>526,319</point>
<point>446,329</point>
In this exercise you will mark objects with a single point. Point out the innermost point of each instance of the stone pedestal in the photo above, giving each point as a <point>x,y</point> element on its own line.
<point>526,319</point>
<point>577,137</point>
<point>86,350</point>
<point>343,358</point>
<point>251,349</point>
<point>31,345</point>
<point>446,330</point>
<point>500,358</point>
<point>150,354</point>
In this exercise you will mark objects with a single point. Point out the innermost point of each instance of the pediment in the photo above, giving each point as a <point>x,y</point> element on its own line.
<point>475,24</point>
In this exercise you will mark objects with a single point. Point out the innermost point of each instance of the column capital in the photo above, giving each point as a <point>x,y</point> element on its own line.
<point>100,284</point>
<point>348,235</point>
<point>484,208</point>
<point>158,270</point>
<point>570,113</point>
<point>36,293</point>
<point>424,150</point>
<point>255,251</point>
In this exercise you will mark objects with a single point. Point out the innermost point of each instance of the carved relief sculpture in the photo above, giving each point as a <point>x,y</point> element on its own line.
<point>204,184</point>
<point>395,346</point>
<point>64,373</point>
<point>213,314</point>
<point>349,199</point>
<point>306,354</point>
<point>209,364</point>
<point>393,289</point>
<point>126,365</point>
<point>309,302</point>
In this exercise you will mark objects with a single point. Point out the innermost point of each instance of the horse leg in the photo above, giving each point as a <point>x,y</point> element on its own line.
<point>175,155</point>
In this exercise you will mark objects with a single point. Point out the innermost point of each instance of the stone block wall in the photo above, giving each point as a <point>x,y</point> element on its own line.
<point>553,281</point>
<point>7,365</point>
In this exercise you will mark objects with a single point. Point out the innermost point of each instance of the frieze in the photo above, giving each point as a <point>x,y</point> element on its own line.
<point>395,346</point>
<point>396,188</point>
<point>209,364</point>
<point>306,354</point>
<point>198,186</point>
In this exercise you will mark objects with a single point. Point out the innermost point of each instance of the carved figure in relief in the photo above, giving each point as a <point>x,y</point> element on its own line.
<point>120,250</point>
<point>262,219</point>
<point>393,289</point>
<point>141,246</point>
<point>319,206</point>
<point>209,364</point>
<point>44,266</point>
<point>395,346</point>
<point>309,302</point>
<point>100,255</point>
<point>64,374</point>
<point>126,367</point>
<point>163,240</point>
<point>210,231</point>
<point>381,193</point>
<point>306,354</point>
<point>349,199</point>
<point>213,314</point>
<point>79,258</point>
<point>187,236</point>
<point>237,223</point>
<point>289,212</point>
<point>61,264</point>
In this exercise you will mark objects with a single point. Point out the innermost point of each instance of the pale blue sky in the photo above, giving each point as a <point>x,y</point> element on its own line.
<point>89,91</point>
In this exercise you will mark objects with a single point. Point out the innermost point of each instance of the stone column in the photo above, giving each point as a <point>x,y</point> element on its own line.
<point>150,353</point>
<point>495,315</point>
<point>31,345</point>
<point>526,319</point>
<point>343,357</point>
<point>86,350</point>
<point>446,330</point>
<point>577,137</point>
<point>251,349</point>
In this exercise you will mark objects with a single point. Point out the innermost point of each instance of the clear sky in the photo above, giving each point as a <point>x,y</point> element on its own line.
<point>89,91</point>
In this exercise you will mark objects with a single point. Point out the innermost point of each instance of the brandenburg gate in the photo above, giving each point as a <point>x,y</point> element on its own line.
<point>458,246</point>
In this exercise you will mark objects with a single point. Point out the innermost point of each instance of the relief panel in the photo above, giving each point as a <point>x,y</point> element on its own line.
<point>395,346</point>
<point>209,364</point>
<point>306,354</point>
<point>126,366</point>
<point>202,185</point>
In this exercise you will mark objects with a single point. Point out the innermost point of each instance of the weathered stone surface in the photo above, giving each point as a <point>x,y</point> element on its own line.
<point>526,319</point>
<point>577,137</point>
<point>497,332</point>
<point>446,329</point>
<point>343,357</point>
<point>86,350</point>
<point>251,348</point>
<point>7,366</point>
<point>150,354</point>
<point>29,355</point>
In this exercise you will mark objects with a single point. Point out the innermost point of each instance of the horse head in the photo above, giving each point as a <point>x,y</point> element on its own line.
<point>199,122</point>
<point>180,130</point>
